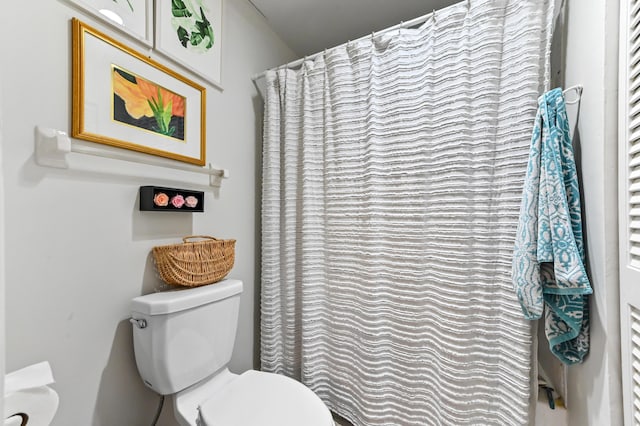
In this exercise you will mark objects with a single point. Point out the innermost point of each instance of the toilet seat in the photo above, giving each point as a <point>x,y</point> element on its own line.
<point>265,399</point>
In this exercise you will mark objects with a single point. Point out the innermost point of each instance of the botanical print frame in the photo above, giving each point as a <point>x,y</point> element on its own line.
<point>132,17</point>
<point>189,32</point>
<point>124,99</point>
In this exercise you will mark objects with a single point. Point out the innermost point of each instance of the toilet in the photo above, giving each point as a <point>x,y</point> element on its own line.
<point>183,340</point>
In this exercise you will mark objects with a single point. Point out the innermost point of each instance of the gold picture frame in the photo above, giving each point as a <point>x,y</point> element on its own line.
<point>124,99</point>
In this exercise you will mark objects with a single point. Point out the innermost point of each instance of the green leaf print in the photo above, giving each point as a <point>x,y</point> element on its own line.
<point>192,27</point>
<point>196,39</point>
<point>183,36</point>
<point>179,9</point>
<point>204,30</point>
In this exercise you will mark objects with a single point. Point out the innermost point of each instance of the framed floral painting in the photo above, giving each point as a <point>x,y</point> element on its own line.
<point>124,99</point>
<point>132,17</point>
<point>189,32</point>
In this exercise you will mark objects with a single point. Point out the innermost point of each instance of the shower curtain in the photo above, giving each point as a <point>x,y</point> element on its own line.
<point>393,169</point>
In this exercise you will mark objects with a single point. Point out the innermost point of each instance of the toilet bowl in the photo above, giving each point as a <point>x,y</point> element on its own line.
<point>254,398</point>
<point>183,340</point>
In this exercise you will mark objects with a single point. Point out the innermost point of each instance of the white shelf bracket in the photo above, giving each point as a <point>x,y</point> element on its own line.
<point>53,146</point>
<point>215,179</point>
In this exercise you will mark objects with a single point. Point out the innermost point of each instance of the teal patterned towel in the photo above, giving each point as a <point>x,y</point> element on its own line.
<point>548,261</point>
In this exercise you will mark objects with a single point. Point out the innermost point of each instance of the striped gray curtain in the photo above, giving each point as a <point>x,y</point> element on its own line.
<point>392,176</point>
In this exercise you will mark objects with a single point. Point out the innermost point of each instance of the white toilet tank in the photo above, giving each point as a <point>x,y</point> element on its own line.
<point>183,336</point>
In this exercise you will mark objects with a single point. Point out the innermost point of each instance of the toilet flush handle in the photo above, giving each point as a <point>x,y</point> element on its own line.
<point>140,323</point>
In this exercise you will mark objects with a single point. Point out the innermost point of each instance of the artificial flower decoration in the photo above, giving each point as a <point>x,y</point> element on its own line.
<point>177,201</point>
<point>161,199</point>
<point>157,198</point>
<point>191,201</point>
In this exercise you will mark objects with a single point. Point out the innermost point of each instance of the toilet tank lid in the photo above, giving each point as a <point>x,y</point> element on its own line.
<point>166,302</point>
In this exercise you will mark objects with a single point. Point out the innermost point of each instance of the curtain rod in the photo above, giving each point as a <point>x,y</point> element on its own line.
<point>401,25</point>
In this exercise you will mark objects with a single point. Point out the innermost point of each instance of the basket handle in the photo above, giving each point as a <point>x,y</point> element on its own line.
<point>206,237</point>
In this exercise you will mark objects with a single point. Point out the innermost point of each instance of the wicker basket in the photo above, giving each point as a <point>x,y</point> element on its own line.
<point>197,263</point>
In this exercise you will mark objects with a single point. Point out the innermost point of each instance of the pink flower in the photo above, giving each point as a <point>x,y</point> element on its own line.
<point>191,201</point>
<point>177,201</point>
<point>161,199</point>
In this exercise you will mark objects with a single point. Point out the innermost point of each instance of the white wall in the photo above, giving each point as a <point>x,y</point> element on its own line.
<point>2,267</point>
<point>77,246</point>
<point>591,36</point>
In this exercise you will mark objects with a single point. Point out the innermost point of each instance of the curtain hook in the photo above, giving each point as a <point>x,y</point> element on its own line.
<point>433,15</point>
<point>401,28</point>
<point>468,5</point>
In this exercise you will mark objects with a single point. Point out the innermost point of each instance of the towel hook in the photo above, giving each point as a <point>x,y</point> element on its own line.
<point>578,90</point>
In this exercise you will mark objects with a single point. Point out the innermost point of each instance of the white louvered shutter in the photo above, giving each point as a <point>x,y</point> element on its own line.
<point>629,206</point>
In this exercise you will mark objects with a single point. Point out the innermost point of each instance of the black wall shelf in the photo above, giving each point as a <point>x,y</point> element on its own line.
<point>162,199</point>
